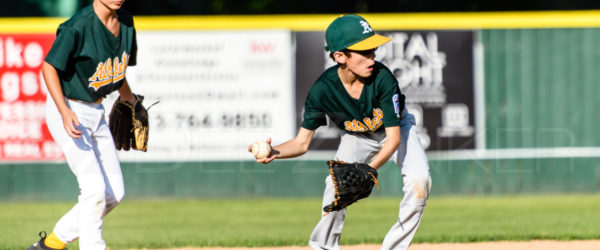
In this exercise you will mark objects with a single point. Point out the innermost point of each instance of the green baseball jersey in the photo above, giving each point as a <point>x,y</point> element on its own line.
<point>379,105</point>
<point>91,61</point>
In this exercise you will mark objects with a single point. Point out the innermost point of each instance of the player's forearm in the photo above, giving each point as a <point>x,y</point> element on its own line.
<point>289,149</point>
<point>390,146</point>
<point>53,85</point>
<point>125,92</point>
<point>383,155</point>
<point>295,147</point>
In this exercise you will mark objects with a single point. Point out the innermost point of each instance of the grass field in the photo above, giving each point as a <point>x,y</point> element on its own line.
<point>281,222</point>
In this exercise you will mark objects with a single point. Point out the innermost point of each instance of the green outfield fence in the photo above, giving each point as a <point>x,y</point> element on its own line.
<point>290,178</point>
<point>541,87</point>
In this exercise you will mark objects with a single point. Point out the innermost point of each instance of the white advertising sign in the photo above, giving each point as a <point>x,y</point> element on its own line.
<point>219,91</point>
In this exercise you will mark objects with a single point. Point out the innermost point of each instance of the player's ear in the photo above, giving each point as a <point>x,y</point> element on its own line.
<point>340,57</point>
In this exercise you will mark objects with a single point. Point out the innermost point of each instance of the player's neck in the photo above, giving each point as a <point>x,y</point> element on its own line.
<point>352,83</point>
<point>105,14</point>
<point>108,17</point>
<point>349,78</point>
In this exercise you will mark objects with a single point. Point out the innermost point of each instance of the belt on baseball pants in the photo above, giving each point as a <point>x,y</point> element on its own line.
<point>95,102</point>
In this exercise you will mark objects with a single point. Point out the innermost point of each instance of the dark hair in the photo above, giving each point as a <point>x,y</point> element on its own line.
<point>345,51</point>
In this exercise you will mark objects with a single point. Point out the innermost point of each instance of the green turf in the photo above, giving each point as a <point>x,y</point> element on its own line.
<point>276,222</point>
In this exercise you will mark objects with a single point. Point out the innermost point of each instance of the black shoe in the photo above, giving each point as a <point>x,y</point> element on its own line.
<point>40,244</point>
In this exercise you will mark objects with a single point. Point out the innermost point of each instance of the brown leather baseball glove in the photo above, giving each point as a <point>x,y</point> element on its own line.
<point>129,124</point>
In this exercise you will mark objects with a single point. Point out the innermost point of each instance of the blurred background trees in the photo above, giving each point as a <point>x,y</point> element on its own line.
<point>65,8</point>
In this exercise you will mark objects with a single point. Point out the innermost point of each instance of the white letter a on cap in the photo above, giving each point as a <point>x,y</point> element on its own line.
<point>366,26</point>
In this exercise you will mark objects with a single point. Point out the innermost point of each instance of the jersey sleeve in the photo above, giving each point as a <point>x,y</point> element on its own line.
<point>63,48</point>
<point>314,117</point>
<point>391,100</point>
<point>134,49</point>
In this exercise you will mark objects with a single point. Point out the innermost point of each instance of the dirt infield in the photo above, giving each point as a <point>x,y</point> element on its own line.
<point>502,245</point>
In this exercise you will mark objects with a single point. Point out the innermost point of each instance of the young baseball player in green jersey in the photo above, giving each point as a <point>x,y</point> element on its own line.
<point>361,96</point>
<point>87,61</point>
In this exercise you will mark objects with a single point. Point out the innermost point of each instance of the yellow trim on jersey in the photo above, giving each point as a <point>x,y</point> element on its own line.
<point>110,71</point>
<point>355,126</point>
<point>319,22</point>
<point>368,124</point>
<point>376,122</point>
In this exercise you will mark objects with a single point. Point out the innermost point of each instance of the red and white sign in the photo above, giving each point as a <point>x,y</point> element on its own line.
<point>23,132</point>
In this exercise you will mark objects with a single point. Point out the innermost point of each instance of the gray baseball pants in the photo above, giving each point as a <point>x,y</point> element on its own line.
<point>412,161</point>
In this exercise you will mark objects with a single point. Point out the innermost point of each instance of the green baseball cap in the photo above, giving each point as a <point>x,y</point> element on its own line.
<point>352,32</point>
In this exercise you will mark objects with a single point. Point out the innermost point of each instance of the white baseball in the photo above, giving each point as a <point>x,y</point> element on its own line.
<point>261,149</point>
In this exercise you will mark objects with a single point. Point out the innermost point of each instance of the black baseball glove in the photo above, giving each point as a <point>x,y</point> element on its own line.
<point>352,182</point>
<point>129,124</point>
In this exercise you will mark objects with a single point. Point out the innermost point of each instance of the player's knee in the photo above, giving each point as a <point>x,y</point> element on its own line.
<point>114,198</point>
<point>424,179</point>
<point>93,198</point>
<point>118,196</point>
<point>425,185</point>
<point>420,185</point>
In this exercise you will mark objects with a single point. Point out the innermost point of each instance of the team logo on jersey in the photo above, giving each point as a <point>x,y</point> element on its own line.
<point>110,71</point>
<point>396,101</point>
<point>367,124</point>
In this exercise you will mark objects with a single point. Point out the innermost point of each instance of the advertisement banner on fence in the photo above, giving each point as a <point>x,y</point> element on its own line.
<point>23,132</point>
<point>218,91</point>
<point>434,70</point>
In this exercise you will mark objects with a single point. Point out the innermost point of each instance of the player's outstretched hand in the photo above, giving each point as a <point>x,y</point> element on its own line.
<point>70,122</point>
<point>262,151</point>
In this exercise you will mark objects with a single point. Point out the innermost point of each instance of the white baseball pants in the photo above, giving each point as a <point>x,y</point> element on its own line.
<point>410,158</point>
<point>94,162</point>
